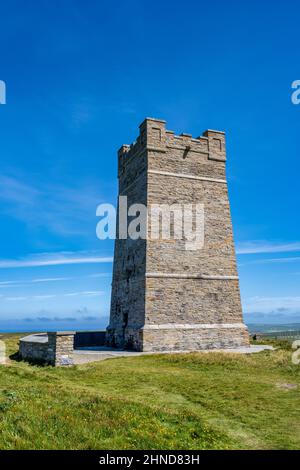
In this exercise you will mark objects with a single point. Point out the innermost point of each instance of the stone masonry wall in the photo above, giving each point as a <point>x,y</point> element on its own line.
<point>63,342</point>
<point>36,351</point>
<point>128,286</point>
<point>183,337</point>
<point>54,348</point>
<point>176,298</point>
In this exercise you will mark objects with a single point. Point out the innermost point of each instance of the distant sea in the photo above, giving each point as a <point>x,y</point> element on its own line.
<point>94,324</point>
<point>271,328</point>
<point>19,326</point>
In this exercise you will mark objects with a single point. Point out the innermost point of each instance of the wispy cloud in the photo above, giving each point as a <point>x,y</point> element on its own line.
<point>257,247</point>
<point>292,259</point>
<point>4,284</point>
<point>22,282</point>
<point>50,319</point>
<point>276,317</point>
<point>18,192</point>
<point>43,297</point>
<point>45,319</point>
<point>280,304</point>
<point>50,279</point>
<point>59,209</point>
<point>13,299</point>
<point>54,259</point>
<point>51,296</point>
<point>84,293</point>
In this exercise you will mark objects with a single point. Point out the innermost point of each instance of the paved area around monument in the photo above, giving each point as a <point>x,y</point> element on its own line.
<point>84,355</point>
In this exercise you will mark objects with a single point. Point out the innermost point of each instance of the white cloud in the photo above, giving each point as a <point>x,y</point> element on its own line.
<point>53,279</point>
<point>54,259</point>
<point>272,260</point>
<point>84,293</point>
<point>43,297</point>
<point>256,247</point>
<point>12,299</point>
<point>62,210</point>
<point>4,284</point>
<point>271,304</point>
<point>51,296</point>
<point>20,282</point>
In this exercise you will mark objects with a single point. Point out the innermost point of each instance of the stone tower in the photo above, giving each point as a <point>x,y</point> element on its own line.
<point>165,297</point>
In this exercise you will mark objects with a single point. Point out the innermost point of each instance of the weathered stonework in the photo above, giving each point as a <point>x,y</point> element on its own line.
<point>53,348</point>
<point>36,348</point>
<point>63,342</point>
<point>165,297</point>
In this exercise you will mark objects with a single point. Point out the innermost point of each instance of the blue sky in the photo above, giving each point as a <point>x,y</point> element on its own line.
<point>80,78</point>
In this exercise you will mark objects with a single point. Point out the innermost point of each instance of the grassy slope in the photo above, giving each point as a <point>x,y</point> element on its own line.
<point>192,401</point>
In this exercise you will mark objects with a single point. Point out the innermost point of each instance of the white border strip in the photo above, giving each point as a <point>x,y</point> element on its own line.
<point>194,326</point>
<point>183,175</point>
<point>190,276</point>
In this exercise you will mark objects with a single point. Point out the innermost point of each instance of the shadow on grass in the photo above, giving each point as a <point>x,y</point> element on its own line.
<point>16,357</point>
<point>277,343</point>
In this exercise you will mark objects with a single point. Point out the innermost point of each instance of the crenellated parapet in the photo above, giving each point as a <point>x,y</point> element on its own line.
<point>154,137</point>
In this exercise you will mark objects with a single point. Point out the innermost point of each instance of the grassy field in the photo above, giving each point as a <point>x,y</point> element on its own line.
<point>180,401</point>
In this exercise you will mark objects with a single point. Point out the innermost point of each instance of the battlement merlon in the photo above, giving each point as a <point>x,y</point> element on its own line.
<point>216,145</point>
<point>154,136</point>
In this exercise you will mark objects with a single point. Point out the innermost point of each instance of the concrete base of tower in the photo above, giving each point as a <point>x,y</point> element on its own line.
<point>178,337</point>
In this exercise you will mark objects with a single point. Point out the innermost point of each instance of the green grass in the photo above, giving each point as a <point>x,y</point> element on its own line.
<point>180,401</point>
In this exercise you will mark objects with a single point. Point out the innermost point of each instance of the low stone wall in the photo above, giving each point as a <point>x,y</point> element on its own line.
<point>36,348</point>
<point>54,348</point>
<point>64,347</point>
